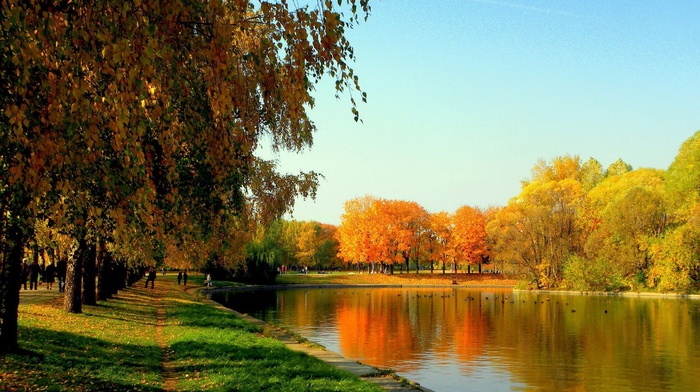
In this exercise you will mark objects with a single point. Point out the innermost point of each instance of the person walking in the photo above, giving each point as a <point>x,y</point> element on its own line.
<point>151,277</point>
<point>61,275</point>
<point>209,282</point>
<point>33,275</point>
<point>24,274</point>
<point>179,277</point>
<point>184,277</point>
<point>50,276</point>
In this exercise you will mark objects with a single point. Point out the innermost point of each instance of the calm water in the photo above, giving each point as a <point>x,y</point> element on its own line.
<point>459,339</point>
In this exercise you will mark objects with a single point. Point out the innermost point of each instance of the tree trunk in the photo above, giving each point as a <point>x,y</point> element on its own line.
<point>9,287</point>
<point>74,275</point>
<point>89,296</point>
<point>105,274</point>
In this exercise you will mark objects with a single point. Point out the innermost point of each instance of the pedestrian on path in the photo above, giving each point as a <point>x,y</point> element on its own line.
<point>151,277</point>
<point>184,277</point>
<point>179,277</point>
<point>33,275</point>
<point>50,275</point>
<point>24,274</point>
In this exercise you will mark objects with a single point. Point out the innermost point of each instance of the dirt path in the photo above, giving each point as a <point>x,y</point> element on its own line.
<point>170,376</point>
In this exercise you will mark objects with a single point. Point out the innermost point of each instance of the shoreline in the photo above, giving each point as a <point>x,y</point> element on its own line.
<point>630,294</point>
<point>385,378</point>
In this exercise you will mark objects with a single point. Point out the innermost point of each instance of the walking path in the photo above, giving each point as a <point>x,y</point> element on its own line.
<point>42,294</point>
<point>167,366</point>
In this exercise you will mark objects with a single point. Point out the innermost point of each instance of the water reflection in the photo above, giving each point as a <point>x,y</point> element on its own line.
<point>494,339</point>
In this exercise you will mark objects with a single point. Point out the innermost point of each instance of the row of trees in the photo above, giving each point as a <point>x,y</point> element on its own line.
<point>377,234</point>
<point>574,225</point>
<point>129,130</point>
<point>397,232</point>
<point>292,244</point>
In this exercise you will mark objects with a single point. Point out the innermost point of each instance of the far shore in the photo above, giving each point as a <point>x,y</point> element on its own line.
<point>649,294</point>
<point>405,279</point>
<point>425,279</point>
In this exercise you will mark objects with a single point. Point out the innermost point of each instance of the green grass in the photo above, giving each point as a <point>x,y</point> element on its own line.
<point>117,346</point>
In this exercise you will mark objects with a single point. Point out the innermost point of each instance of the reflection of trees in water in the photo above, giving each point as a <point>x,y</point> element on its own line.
<point>602,343</point>
<point>548,341</point>
<point>394,328</point>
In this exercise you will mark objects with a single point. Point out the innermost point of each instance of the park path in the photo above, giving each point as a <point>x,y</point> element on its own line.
<point>40,295</point>
<point>169,373</point>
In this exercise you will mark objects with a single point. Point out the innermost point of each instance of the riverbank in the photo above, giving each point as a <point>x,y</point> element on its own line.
<point>632,294</point>
<point>162,339</point>
<point>398,279</point>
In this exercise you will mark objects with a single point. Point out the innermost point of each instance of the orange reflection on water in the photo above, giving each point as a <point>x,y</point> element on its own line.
<point>391,327</point>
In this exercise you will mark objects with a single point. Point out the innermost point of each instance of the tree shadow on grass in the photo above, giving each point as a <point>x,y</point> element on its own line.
<point>254,364</point>
<point>52,360</point>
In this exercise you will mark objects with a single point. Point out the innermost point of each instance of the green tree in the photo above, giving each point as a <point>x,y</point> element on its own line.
<point>617,168</point>
<point>591,174</point>
<point>683,178</point>
<point>626,213</point>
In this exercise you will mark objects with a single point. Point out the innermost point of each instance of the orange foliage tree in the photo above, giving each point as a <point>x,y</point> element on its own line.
<point>381,231</point>
<point>356,233</point>
<point>469,235</point>
<point>441,244</point>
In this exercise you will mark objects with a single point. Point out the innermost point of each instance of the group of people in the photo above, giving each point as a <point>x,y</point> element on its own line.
<point>151,277</point>
<point>182,276</point>
<point>36,274</point>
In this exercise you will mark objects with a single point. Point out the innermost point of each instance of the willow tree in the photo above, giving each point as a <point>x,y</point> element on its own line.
<point>124,119</point>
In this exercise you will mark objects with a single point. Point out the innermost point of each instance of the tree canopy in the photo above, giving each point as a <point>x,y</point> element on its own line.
<point>139,124</point>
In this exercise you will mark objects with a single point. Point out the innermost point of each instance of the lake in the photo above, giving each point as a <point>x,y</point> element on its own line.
<point>495,339</point>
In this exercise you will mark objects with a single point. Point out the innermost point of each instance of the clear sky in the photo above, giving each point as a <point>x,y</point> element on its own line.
<point>464,97</point>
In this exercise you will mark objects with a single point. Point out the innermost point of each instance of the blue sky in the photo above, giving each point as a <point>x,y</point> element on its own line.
<point>465,96</point>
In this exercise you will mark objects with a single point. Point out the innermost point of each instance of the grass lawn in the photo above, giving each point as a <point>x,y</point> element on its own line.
<point>156,340</point>
<point>423,278</point>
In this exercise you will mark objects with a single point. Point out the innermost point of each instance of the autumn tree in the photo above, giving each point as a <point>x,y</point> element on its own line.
<point>540,228</point>
<point>442,245</point>
<point>626,212</point>
<point>307,244</point>
<point>316,245</point>
<point>357,232</point>
<point>675,255</point>
<point>469,235</point>
<point>129,119</point>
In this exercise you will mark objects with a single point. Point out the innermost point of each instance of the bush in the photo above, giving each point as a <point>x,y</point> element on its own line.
<point>590,275</point>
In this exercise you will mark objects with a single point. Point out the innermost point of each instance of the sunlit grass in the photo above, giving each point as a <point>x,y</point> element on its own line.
<point>213,350</point>
<point>108,347</point>
<point>113,346</point>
